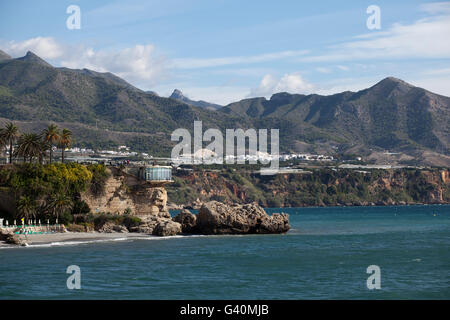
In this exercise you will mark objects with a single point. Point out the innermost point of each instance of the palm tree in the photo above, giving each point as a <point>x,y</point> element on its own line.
<point>60,203</point>
<point>51,136</point>
<point>10,134</point>
<point>30,145</point>
<point>26,207</point>
<point>64,141</point>
<point>2,141</point>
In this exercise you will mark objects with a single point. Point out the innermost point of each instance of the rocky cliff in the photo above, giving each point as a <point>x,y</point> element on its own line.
<point>314,187</point>
<point>125,192</point>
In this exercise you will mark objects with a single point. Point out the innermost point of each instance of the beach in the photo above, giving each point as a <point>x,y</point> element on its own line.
<point>75,238</point>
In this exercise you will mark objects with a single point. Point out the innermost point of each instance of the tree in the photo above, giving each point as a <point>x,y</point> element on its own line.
<point>60,203</point>
<point>30,145</point>
<point>3,142</point>
<point>64,141</point>
<point>51,136</point>
<point>26,207</point>
<point>9,135</point>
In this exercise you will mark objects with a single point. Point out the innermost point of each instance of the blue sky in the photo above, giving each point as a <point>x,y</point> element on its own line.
<point>225,50</point>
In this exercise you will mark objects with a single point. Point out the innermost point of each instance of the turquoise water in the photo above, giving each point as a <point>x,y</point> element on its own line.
<point>324,256</point>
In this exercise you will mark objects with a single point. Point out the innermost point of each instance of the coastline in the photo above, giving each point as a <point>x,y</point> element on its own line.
<point>76,238</point>
<point>175,210</point>
<point>67,238</point>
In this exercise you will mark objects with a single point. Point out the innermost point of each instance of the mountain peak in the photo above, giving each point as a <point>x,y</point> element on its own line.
<point>391,86</point>
<point>177,94</point>
<point>32,57</point>
<point>392,81</point>
<point>4,56</point>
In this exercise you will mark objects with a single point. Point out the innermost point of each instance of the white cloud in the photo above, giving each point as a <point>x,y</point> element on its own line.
<point>140,64</point>
<point>193,63</point>
<point>426,38</point>
<point>436,7</point>
<point>323,70</point>
<point>292,83</point>
<point>343,68</point>
<point>44,47</point>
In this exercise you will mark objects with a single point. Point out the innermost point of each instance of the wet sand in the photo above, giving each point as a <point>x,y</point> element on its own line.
<point>56,238</point>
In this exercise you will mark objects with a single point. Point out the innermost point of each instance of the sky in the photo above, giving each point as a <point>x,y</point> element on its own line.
<point>225,50</point>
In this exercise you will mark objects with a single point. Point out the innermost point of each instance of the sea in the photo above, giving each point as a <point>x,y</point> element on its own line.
<point>389,252</point>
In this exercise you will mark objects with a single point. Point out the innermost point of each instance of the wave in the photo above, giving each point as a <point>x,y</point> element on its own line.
<point>81,242</point>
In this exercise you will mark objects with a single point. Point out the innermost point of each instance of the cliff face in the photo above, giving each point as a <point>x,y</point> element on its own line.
<point>323,187</point>
<point>124,192</point>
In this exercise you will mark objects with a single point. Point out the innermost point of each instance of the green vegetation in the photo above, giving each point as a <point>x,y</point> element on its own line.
<point>390,115</point>
<point>320,187</point>
<point>52,190</point>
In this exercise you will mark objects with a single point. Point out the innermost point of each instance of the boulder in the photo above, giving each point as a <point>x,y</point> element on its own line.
<point>195,205</point>
<point>187,220</point>
<point>11,238</point>
<point>120,229</point>
<point>218,218</point>
<point>111,227</point>
<point>148,224</point>
<point>167,228</point>
<point>158,226</point>
<point>106,227</point>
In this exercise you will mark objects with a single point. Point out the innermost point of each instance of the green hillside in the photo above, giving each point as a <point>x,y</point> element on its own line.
<point>104,110</point>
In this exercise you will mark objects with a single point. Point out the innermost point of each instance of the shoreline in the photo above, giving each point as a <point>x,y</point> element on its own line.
<point>71,237</point>
<point>342,206</point>
<point>77,238</point>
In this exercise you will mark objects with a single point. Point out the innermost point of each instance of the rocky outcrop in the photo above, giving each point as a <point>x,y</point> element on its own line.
<point>187,220</point>
<point>158,226</point>
<point>195,205</point>
<point>124,191</point>
<point>167,228</point>
<point>349,187</point>
<point>111,227</point>
<point>174,206</point>
<point>11,238</point>
<point>218,218</point>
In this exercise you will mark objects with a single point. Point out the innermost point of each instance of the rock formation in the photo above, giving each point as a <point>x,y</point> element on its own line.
<point>110,227</point>
<point>11,238</point>
<point>218,218</point>
<point>187,220</point>
<point>167,228</point>
<point>124,191</point>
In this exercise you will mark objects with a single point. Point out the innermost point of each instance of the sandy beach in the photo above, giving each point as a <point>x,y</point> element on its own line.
<point>75,237</point>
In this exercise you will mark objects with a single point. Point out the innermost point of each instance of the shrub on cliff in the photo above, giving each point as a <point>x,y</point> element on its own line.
<point>128,221</point>
<point>39,182</point>
<point>99,176</point>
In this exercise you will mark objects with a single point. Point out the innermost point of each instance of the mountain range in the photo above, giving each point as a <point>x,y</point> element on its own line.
<point>104,110</point>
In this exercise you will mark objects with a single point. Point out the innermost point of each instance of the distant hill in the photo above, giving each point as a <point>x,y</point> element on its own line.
<point>99,106</point>
<point>178,95</point>
<point>104,110</point>
<point>4,56</point>
<point>391,115</point>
